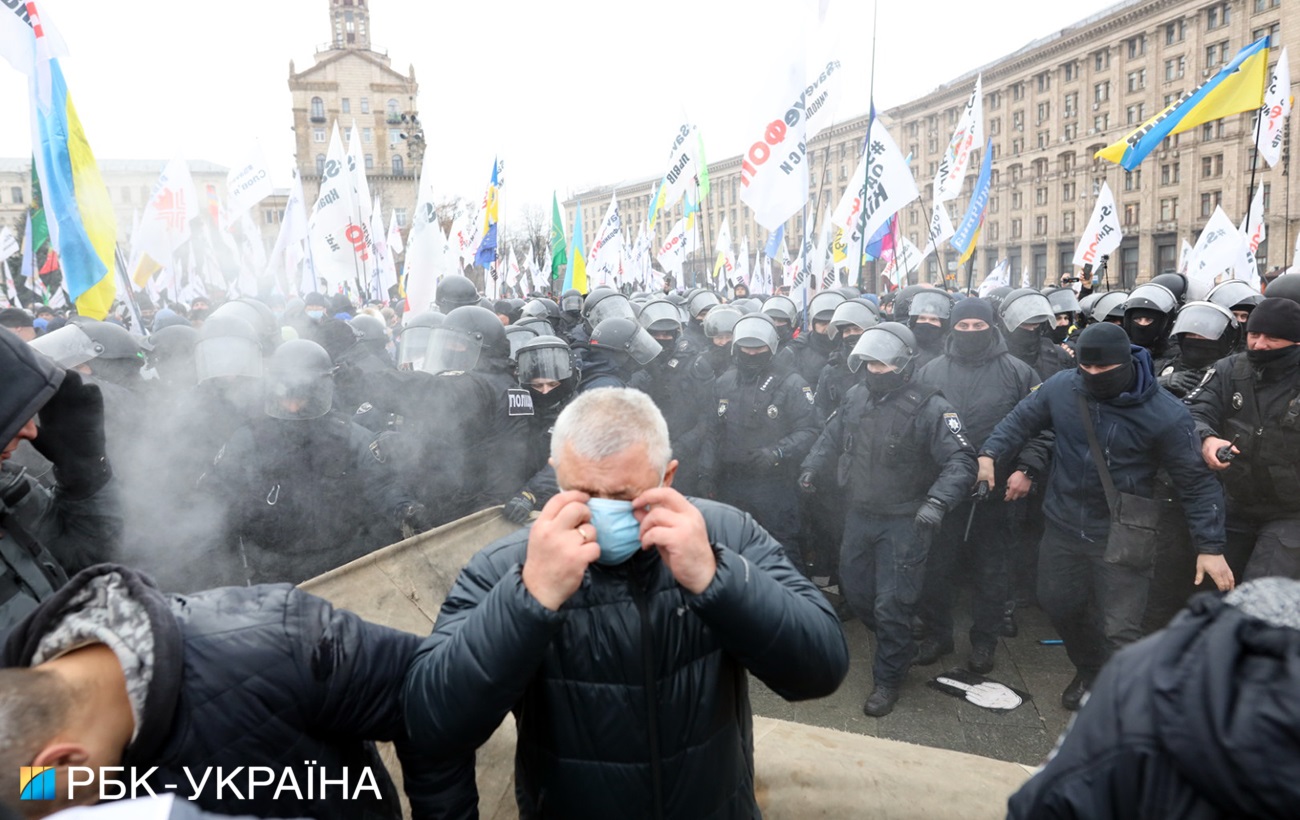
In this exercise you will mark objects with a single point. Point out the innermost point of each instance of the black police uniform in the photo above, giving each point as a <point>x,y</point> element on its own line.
<point>1259,411</point>
<point>811,352</point>
<point>761,428</point>
<point>890,454</point>
<point>679,397</point>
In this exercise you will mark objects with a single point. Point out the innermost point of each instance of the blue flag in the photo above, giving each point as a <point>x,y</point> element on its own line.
<point>963,241</point>
<point>773,246</point>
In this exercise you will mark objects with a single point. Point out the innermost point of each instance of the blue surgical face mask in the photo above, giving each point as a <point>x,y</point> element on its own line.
<point>617,530</point>
<point>316,314</point>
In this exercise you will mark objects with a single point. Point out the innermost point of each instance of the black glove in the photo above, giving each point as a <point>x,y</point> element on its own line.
<point>928,519</point>
<point>1181,382</point>
<point>806,485</point>
<point>71,435</point>
<point>517,509</point>
<point>763,458</point>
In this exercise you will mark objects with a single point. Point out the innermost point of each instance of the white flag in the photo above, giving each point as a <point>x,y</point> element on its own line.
<point>426,248</point>
<point>394,238</point>
<point>8,243</point>
<point>1184,257</point>
<point>249,182</point>
<point>1253,232</point>
<point>682,157</point>
<point>821,271</point>
<point>165,222</point>
<point>1220,249</point>
<point>968,136</point>
<point>881,186</point>
<point>386,272</point>
<point>1025,280</point>
<point>941,229</point>
<point>1277,105</point>
<point>640,258</point>
<point>290,245</point>
<point>741,273</point>
<point>361,230</point>
<point>1103,234</point>
<point>681,241</point>
<point>605,249</point>
<point>999,277</point>
<point>513,271</point>
<point>774,169</point>
<point>336,243</point>
<point>725,262</point>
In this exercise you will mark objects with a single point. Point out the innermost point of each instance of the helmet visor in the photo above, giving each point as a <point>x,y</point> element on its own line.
<point>851,314</point>
<point>661,317</point>
<point>451,351</point>
<point>642,347</point>
<point>68,346</point>
<point>1063,301</point>
<point>1202,319</point>
<point>549,363</point>
<point>571,304</point>
<point>720,321</point>
<point>1032,308</point>
<point>930,304</point>
<point>298,396</point>
<point>823,305</point>
<point>880,346</point>
<point>754,332</point>
<point>413,344</point>
<point>224,356</point>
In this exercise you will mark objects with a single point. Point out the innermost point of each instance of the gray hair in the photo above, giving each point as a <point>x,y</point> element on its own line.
<point>605,422</point>
<point>34,707</point>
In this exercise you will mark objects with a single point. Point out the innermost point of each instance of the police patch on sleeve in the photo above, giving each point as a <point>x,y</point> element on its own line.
<point>520,402</point>
<point>365,407</point>
<point>722,407</point>
<point>808,394</point>
<point>953,422</point>
<point>375,451</point>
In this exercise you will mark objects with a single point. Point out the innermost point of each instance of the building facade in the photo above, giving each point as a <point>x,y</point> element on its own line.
<point>351,84</point>
<point>1048,108</point>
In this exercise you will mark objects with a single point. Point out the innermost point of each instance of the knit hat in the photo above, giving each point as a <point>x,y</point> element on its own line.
<point>1103,344</point>
<point>973,309</point>
<point>1276,317</point>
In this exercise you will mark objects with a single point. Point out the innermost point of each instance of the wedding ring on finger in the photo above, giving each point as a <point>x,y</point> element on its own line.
<point>583,529</point>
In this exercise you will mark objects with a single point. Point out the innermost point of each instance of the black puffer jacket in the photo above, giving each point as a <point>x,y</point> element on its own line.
<point>1197,721</point>
<point>268,676</point>
<point>631,700</point>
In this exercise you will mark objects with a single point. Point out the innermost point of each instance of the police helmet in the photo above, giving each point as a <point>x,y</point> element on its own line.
<point>701,302</point>
<point>660,316</point>
<point>781,309</point>
<point>1110,307</point>
<point>754,330</point>
<point>605,303</point>
<point>470,335</point>
<point>721,321</point>
<point>259,317</point>
<point>455,291</point>
<point>822,307</point>
<point>369,329</point>
<point>228,346</point>
<point>1207,320</point>
<point>626,336</point>
<point>1025,306</point>
<point>299,381</point>
<point>1063,300</point>
<point>571,301</point>
<point>413,338</point>
<point>890,343</point>
<point>1286,286</point>
<point>68,346</point>
<point>1235,294</point>
<point>930,302</point>
<point>853,313</point>
<point>1175,283</point>
<point>547,367</point>
<point>172,354</point>
<point>1151,296</point>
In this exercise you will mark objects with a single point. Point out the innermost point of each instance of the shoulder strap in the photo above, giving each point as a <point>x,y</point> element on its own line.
<point>1097,456</point>
<point>914,398</point>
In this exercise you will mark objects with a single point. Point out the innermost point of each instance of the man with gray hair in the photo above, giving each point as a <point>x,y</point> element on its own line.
<point>618,629</point>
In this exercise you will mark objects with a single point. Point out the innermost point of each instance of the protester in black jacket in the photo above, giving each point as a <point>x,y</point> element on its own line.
<point>123,675</point>
<point>1197,721</point>
<point>1095,605</point>
<point>619,629</point>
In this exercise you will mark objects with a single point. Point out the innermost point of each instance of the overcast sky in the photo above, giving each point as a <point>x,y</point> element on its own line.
<point>571,93</point>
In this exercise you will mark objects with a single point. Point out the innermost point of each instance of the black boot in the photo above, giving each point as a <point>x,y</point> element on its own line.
<point>981,658</point>
<point>881,701</point>
<point>931,650</point>
<point>1073,694</point>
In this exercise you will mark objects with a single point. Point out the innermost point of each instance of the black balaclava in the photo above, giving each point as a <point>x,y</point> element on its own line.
<point>1106,344</point>
<point>972,345</point>
<point>750,365</point>
<point>718,356</point>
<point>1024,344</point>
<point>1059,333</point>
<point>1198,354</point>
<point>1279,318</point>
<point>1148,336</point>
<point>882,384</point>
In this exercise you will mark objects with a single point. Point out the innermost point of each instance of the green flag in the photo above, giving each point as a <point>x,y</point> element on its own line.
<point>559,252</point>
<point>36,213</point>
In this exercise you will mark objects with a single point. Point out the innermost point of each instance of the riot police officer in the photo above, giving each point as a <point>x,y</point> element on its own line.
<point>1248,416</point>
<point>305,489</point>
<point>668,383</point>
<point>812,348</point>
<point>1148,316</point>
<point>1027,318</point>
<point>455,291</point>
<point>1240,298</point>
<point>47,533</point>
<point>619,347</point>
<point>762,428</point>
<point>928,312</point>
<point>900,451</point>
<point>1204,333</point>
<point>547,368</point>
<point>848,322</point>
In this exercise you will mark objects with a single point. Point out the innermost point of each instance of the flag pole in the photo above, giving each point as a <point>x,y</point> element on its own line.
<point>1254,153</point>
<point>866,144</point>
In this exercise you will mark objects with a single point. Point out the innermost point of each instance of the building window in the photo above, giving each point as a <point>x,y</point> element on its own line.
<point>1135,113</point>
<point>1217,16</point>
<point>1133,180</point>
<point>1212,130</point>
<point>994,100</point>
<point>1017,92</point>
<point>397,165</point>
<point>1101,92</point>
<point>1067,163</point>
<point>16,195</point>
<point>1216,54</point>
<point>367,135</point>
<point>1100,123</point>
<point>1040,226</point>
<point>1071,104</point>
<point>394,137</point>
<point>1270,32</point>
<point>1040,196</point>
<point>268,217</point>
<point>1137,46</point>
<point>1169,173</point>
<point>318,135</point>
<point>1212,166</point>
<point>1070,131</point>
<point>1044,139</point>
<point>365,105</point>
<point>1129,266</point>
<point>1101,60</point>
<point>993,205</point>
<point>320,165</point>
<point>1067,222</point>
<point>1018,120</point>
<point>1016,229</point>
<point>1264,5</point>
<point>370,162</point>
<point>995,125</point>
<point>1137,80</point>
<point>1067,191</point>
<point>1175,32</point>
<point>1209,201</point>
<point>1070,71</point>
<point>1017,201</point>
<point>1169,209</point>
<point>399,214</point>
<point>394,113</point>
<point>1175,68</point>
<point>317,109</point>
<point>993,231</point>
<point>1267,196</point>
<point>1044,81</point>
<point>347,106</point>
<point>1172,98</point>
<point>1044,111</point>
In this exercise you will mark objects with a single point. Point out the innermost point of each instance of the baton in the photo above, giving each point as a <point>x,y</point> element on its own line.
<point>981,492</point>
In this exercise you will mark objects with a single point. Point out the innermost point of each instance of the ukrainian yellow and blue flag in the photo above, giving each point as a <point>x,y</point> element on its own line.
<point>1239,86</point>
<point>576,276</point>
<point>487,250</point>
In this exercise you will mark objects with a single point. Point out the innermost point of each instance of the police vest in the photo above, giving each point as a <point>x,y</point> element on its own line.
<point>886,464</point>
<point>28,572</point>
<point>1268,471</point>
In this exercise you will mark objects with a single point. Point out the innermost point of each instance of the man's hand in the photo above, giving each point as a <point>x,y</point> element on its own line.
<point>1018,486</point>
<point>517,509</point>
<point>986,472</point>
<point>1215,566</point>
<point>1210,447</point>
<point>70,433</point>
<point>673,526</point>
<point>807,482</point>
<point>561,544</point>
